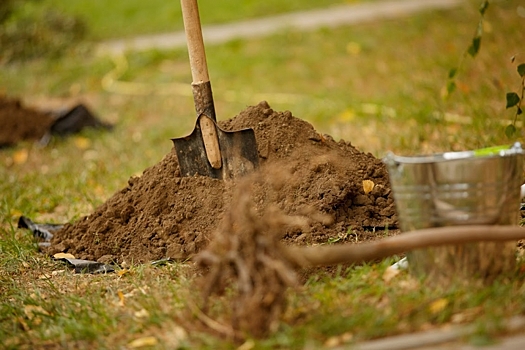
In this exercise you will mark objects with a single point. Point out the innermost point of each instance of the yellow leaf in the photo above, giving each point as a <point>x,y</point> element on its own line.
<point>143,342</point>
<point>247,345</point>
<point>368,186</point>
<point>338,340</point>
<point>438,305</point>
<point>122,272</point>
<point>353,48</point>
<point>390,273</point>
<point>141,313</point>
<point>20,157</point>
<point>346,116</point>
<point>15,212</point>
<point>33,313</point>
<point>82,142</point>
<point>121,298</point>
<point>63,256</point>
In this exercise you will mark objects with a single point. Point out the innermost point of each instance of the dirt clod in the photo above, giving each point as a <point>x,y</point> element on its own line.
<point>20,122</point>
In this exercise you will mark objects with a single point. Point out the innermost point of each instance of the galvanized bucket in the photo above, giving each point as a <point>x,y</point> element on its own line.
<point>479,187</point>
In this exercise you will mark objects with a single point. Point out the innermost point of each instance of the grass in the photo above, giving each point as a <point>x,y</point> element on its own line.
<point>377,84</point>
<point>127,18</point>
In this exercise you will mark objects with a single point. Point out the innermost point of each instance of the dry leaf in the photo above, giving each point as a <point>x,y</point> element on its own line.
<point>468,315</point>
<point>175,336</point>
<point>23,323</point>
<point>121,298</point>
<point>143,342</point>
<point>82,142</point>
<point>353,48</point>
<point>390,273</point>
<point>247,345</point>
<point>33,313</point>
<point>20,156</point>
<point>122,272</point>
<point>63,256</point>
<point>438,305</point>
<point>338,340</point>
<point>368,186</point>
<point>141,313</point>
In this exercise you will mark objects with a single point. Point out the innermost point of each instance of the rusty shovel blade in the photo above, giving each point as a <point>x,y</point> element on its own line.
<point>238,150</point>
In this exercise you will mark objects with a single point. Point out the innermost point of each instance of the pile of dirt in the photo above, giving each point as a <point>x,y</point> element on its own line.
<point>161,214</point>
<point>21,123</point>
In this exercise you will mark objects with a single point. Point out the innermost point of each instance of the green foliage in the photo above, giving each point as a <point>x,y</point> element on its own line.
<point>27,32</point>
<point>476,40</point>
<point>521,70</point>
<point>513,99</point>
<point>516,100</point>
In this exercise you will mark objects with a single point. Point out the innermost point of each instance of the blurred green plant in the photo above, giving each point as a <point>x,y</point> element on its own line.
<point>513,99</point>
<point>471,51</point>
<point>27,33</point>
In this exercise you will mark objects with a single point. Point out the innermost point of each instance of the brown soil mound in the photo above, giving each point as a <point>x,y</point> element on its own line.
<point>21,123</point>
<point>161,214</point>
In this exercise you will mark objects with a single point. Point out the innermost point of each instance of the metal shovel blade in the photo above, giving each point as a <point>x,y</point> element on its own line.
<point>238,151</point>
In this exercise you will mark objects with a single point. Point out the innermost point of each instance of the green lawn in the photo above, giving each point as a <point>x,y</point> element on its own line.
<point>378,85</point>
<point>115,19</point>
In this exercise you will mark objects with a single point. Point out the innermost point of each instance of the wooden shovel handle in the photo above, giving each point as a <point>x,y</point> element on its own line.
<point>202,94</point>
<point>192,27</point>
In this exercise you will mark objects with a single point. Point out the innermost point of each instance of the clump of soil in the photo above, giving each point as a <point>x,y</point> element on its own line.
<point>21,123</point>
<point>161,214</point>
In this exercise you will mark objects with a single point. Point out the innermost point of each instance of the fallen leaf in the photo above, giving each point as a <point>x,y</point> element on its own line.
<point>346,116</point>
<point>468,315</point>
<point>390,273</point>
<point>353,48</point>
<point>63,256</point>
<point>247,345</point>
<point>368,186</point>
<point>438,305</point>
<point>121,298</point>
<point>338,340</point>
<point>82,142</point>
<point>20,156</point>
<point>23,323</point>
<point>33,313</point>
<point>143,342</point>
<point>143,313</point>
<point>175,336</point>
<point>122,272</point>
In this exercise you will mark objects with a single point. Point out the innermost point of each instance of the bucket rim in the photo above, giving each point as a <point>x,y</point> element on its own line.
<point>482,153</point>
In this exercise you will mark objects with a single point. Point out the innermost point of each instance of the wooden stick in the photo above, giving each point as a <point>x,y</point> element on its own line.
<point>430,237</point>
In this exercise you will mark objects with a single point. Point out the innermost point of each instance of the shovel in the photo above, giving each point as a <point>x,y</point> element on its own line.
<point>208,150</point>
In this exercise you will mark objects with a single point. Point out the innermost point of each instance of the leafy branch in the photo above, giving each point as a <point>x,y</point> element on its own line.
<point>516,100</point>
<point>513,99</point>
<point>472,50</point>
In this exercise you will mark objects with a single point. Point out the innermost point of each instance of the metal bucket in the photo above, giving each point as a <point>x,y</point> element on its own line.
<point>479,187</point>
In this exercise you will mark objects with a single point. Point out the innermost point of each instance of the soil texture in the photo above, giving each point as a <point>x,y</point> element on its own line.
<point>21,123</point>
<point>161,214</point>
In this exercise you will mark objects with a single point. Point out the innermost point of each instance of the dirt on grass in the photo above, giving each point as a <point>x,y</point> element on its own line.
<point>161,214</point>
<point>21,123</point>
